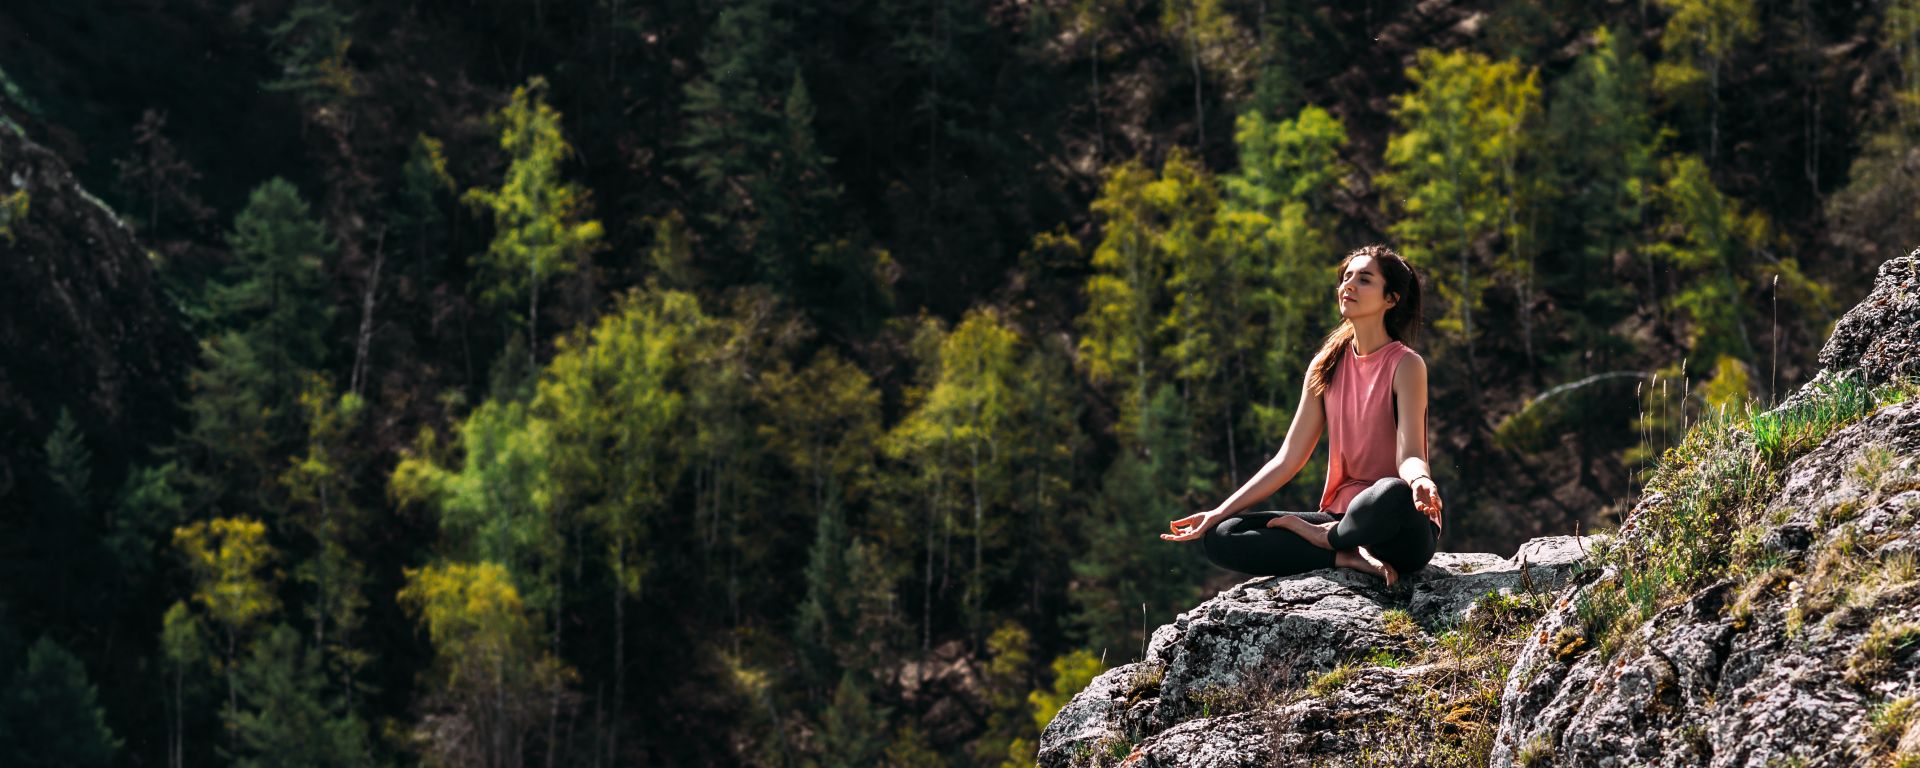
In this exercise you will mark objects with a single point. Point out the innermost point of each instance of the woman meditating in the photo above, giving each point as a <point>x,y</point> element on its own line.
<point>1380,511</point>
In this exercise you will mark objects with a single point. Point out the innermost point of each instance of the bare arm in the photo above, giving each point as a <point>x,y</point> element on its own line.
<point>1308,421</point>
<point>1410,439</point>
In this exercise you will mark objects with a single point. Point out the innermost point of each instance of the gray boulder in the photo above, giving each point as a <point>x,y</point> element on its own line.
<point>1253,648</point>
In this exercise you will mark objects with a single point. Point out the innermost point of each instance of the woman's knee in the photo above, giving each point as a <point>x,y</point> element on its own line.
<point>1393,490</point>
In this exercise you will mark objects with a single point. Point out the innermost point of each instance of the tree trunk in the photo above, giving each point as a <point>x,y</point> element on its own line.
<point>619,673</point>
<point>1199,107</point>
<point>358,379</point>
<point>533,319</point>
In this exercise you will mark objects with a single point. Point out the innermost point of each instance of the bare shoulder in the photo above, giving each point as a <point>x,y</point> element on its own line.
<point>1410,370</point>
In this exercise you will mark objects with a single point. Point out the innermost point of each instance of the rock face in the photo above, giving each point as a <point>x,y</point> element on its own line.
<point>1253,643</point>
<point>1809,656</point>
<point>1878,337</point>
<point>82,322</point>
<point>1798,666</point>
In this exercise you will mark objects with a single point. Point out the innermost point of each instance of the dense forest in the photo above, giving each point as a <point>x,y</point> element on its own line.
<point>760,382</point>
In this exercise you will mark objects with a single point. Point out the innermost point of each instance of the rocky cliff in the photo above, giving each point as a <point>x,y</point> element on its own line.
<point>1760,606</point>
<point>83,324</point>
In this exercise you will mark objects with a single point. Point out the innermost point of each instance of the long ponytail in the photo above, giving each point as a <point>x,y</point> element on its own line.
<point>1402,320</point>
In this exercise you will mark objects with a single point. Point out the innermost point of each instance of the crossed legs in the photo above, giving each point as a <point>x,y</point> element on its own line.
<point>1381,534</point>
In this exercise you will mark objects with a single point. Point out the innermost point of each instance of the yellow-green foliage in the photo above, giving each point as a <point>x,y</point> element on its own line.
<point>540,223</point>
<point>1888,722</point>
<point>1397,622</point>
<point>13,209</point>
<point>1451,168</point>
<point>491,664</point>
<point>230,560</point>
<point>1699,36</point>
<point>1071,673</point>
<point>1713,487</point>
<point>1874,656</point>
<point>1332,680</point>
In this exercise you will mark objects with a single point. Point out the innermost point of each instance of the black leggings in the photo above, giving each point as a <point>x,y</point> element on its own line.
<point>1380,518</point>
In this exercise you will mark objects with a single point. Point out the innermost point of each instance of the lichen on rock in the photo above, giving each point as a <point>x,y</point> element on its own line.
<point>1759,606</point>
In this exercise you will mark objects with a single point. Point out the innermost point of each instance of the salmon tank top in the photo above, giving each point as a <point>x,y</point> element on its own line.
<point>1361,445</point>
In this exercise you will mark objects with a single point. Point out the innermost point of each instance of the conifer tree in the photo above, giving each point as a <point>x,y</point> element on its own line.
<point>156,172</point>
<point>735,124</point>
<point>288,717</point>
<point>1604,141</point>
<point>50,713</point>
<point>275,297</point>
<point>1127,580</point>
<point>310,45</point>
<point>851,732</point>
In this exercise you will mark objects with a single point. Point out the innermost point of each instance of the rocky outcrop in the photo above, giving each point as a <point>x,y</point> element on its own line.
<point>1224,673</point>
<point>83,324</point>
<point>1755,673</point>
<point>1802,647</point>
<point>1801,664</point>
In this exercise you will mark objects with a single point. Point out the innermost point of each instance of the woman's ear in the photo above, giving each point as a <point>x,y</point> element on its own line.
<point>1392,299</point>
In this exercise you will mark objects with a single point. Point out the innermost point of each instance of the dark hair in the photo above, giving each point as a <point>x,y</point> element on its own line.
<point>1402,320</point>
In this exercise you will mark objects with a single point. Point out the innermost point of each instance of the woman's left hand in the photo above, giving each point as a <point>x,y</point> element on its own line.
<point>1426,498</point>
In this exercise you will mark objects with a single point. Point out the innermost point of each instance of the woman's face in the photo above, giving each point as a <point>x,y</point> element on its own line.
<point>1363,291</point>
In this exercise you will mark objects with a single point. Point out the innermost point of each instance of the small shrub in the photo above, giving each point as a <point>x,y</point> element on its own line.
<point>1537,753</point>
<point>1398,623</point>
<point>1332,680</point>
<point>1889,721</point>
<point>1888,638</point>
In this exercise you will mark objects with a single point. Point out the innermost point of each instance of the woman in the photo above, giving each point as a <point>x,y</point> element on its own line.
<point>1380,511</point>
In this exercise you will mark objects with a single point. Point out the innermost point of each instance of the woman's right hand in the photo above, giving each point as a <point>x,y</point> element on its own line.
<point>1191,527</point>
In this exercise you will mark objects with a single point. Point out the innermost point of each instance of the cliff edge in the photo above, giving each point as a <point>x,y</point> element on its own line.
<point>1760,606</point>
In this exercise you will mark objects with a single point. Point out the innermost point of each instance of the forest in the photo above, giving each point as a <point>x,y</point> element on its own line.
<point>785,383</point>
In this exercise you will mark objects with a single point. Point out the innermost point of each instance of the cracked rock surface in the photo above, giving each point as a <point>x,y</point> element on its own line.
<point>1265,639</point>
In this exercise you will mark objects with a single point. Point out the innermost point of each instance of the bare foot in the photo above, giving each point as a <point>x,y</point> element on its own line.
<point>1314,533</point>
<point>1360,559</point>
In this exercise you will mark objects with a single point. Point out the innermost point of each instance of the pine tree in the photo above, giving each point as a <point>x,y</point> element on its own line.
<point>156,172</point>
<point>1605,141</point>
<point>275,294</point>
<point>310,45</point>
<point>287,718</point>
<point>1126,576</point>
<point>50,713</point>
<point>69,462</point>
<point>735,124</point>
<point>850,729</point>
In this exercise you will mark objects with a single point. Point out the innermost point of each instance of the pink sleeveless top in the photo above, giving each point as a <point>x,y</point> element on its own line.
<point>1360,424</point>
